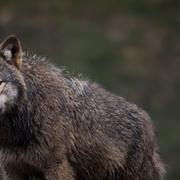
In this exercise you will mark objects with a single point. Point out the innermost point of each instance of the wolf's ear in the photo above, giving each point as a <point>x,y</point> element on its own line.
<point>11,51</point>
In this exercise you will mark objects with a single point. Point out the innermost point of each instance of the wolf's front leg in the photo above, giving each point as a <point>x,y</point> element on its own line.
<point>61,171</point>
<point>6,175</point>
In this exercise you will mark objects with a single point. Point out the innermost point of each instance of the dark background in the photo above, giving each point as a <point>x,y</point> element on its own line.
<point>131,47</point>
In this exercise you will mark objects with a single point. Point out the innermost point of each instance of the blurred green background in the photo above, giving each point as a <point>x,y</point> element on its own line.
<point>131,47</point>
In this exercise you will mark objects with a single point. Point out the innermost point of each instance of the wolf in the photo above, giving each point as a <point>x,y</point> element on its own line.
<point>54,126</point>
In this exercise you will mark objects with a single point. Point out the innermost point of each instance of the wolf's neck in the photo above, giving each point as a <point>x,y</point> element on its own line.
<point>16,128</point>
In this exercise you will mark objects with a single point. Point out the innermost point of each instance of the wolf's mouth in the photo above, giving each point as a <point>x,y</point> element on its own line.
<point>2,86</point>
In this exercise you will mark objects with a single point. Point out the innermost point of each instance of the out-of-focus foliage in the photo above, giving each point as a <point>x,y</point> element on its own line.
<point>130,47</point>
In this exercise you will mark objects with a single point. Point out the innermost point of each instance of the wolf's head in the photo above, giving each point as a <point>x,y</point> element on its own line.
<point>11,81</point>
